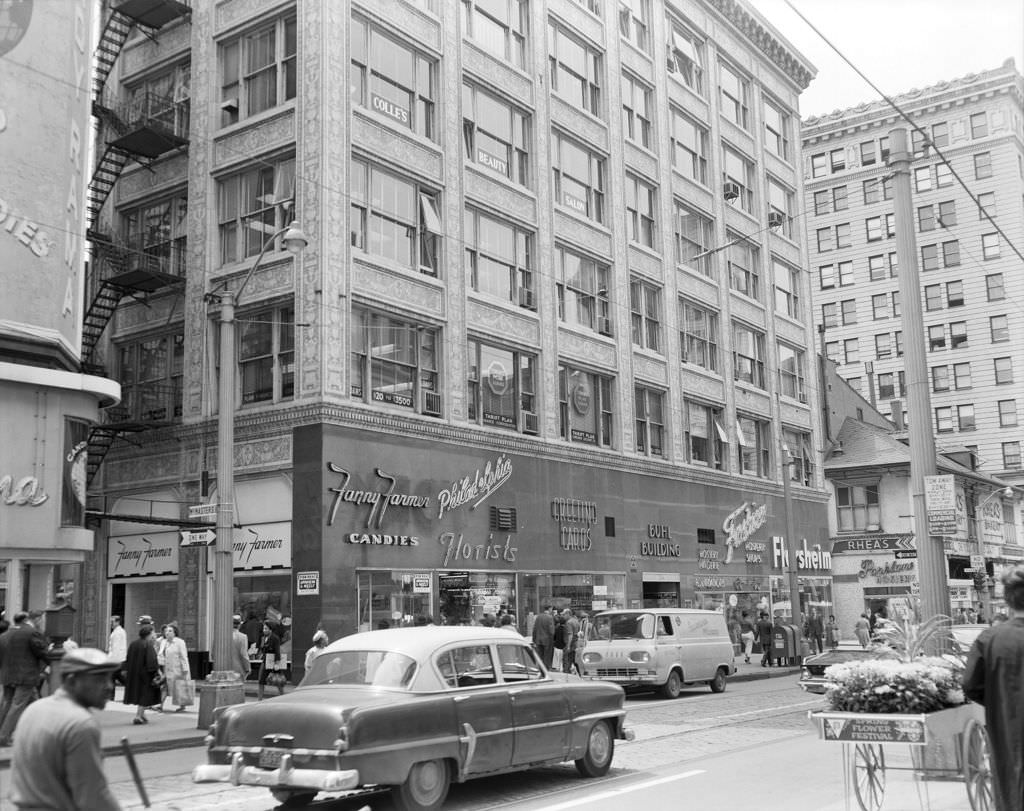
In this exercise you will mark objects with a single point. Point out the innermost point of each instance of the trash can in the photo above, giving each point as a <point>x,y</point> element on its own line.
<point>220,689</point>
<point>781,645</point>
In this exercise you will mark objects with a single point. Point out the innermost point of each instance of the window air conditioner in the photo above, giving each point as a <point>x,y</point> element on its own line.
<point>529,422</point>
<point>776,219</point>
<point>731,190</point>
<point>526,298</point>
<point>604,326</point>
<point>432,403</point>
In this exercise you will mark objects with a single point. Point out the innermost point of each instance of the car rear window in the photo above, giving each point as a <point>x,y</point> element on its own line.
<point>379,668</point>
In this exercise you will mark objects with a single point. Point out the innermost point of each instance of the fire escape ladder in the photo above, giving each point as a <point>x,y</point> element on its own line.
<point>107,171</point>
<point>101,437</point>
<point>115,31</point>
<point>101,308</point>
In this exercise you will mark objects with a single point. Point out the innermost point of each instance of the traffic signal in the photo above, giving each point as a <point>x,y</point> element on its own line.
<point>980,581</point>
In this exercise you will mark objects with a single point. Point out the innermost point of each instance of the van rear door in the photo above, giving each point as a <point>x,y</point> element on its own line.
<point>668,645</point>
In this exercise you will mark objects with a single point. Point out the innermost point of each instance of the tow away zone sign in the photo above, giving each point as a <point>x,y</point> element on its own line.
<point>307,584</point>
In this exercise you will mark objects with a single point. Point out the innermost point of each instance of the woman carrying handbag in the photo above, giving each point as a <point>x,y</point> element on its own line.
<point>271,664</point>
<point>176,669</point>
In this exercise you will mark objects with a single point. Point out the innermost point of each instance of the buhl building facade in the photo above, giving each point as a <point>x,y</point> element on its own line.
<point>549,341</point>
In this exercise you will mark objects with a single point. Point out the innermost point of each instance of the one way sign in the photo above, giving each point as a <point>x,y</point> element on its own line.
<point>197,537</point>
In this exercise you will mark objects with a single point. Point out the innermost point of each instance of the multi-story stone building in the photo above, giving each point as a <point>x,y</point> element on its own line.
<point>968,210</point>
<point>545,344</point>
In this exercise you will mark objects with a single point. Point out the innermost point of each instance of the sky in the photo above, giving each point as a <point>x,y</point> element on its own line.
<point>898,44</point>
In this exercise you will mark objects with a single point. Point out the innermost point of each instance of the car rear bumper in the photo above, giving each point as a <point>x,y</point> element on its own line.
<point>284,776</point>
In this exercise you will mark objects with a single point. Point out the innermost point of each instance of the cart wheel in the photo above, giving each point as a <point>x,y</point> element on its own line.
<point>869,776</point>
<point>977,767</point>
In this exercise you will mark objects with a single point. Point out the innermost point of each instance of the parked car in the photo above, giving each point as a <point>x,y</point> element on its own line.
<point>414,709</point>
<point>661,648</point>
<point>812,676</point>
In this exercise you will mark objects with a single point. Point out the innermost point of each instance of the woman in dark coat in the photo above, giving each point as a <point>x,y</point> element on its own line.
<point>142,667</point>
<point>270,658</point>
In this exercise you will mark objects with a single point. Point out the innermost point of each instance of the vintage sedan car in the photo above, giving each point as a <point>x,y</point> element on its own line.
<point>412,709</point>
<point>812,676</point>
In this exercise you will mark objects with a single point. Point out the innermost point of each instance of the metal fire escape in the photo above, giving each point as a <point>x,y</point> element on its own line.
<point>139,130</point>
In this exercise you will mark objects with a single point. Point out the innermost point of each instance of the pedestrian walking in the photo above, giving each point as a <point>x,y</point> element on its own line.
<point>319,643</point>
<point>143,679</point>
<point>832,632</point>
<point>57,762</point>
<point>544,636</point>
<point>508,623</point>
<point>271,670</point>
<point>572,638</point>
<point>117,642</point>
<point>747,634</point>
<point>764,636</point>
<point>240,649</point>
<point>531,619</point>
<point>22,660</point>
<point>177,673</point>
<point>862,630</point>
<point>814,630</point>
<point>993,678</point>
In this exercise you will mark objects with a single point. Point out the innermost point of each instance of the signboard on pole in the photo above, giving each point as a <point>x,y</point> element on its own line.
<point>307,584</point>
<point>978,563</point>
<point>940,504</point>
<point>203,512</point>
<point>202,537</point>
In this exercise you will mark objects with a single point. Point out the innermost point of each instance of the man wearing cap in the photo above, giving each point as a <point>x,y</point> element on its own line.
<point>22,659</point>
<point>57,762</point>
<point>239,649</point>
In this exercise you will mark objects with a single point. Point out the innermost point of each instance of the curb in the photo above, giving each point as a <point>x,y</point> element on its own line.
<point>769,673</point>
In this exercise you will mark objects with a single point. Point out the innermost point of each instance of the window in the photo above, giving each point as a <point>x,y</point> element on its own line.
<point>896,305</point>
<point>830,315</point>
<point>822,201</point>
<point>252,206</point>
<point>496,135</point>
<point>957,334</point>
<point>839,198</point>
<point>467,667</point>
<point>780,204</point>
<point>748,355</point>
<point>498,27</point>
<point>886,386</point>
<point>394,362</point>
<point>395,218</point>
<point>819,165</point>
<point>929,257</point>
<point>575,70</point>
<point>857,507</point>
<point>944,419</point>
<point>686,56</point>
<point>266,355</point>
<point>499,258</point>
<point>502,388</point>
<point>955,294</point>
<point>787,288</point>
<point>965,417</point>
<point>937,336</point>
<point>979,125</point>
<point>639,199</point>
<point>740,172</point>
<point>926,218</point>
<point>870,189</point>
<point>994,289</point>
<point>698,337</point>
<point>797,456</point>
<point>163,99</point>
<point>645,314</point>
<point>156,235</point>
<point>150,371</point>
<point>876,267</point>
<point>883,345</point>
<point>843,235</point>
<point>982,165</point>
<point>951,253</point>
<point>883,148</point>
<point>1007,413</point>
<point>776,130</point>
<point>832,351</point>
<point>940,378</point>
<point>962,375</point>
<point>689,147</point>
<point>845,271</point>
<point>636,110</point>
<point>792,372</point>
<point>943,175</point>
<point>880,306</point>
<point>393,79</point>
<point>899,343</point>
<point>933,296</point>
<point>585,406</point>
<point>940,134</point>
<point>1004,370</point>
<point>827,277</point>
<point>257,71</point>
<point>837,158</point>
<point>635,21</point>
<point>706,440</point>
<point>744,267</point>
<point>848,307</point>
<point>851,350</point>
<point>826,241</point>
<point>920,143</point>
<point>999,328</point>
<point>878,227</point>
<point>923,178</point>
<point>947,213</point>
<point>753,442</point>
<point>650,421</point>
<point>986,205</point>
<point>735,96</point>
<point>1011,455</point>
<point>867,153</point>
<point>990,246</point>
<point>579,177</point>
<point>694,234</point>
<point>582,287</point>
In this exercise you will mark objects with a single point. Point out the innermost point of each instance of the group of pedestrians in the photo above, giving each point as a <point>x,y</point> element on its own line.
<point>23,664</point>
<point>153,667</point>
<point>557,633</point>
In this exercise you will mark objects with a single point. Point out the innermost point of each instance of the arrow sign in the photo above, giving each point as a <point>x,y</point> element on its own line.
<point>197,537</point>
<point>904,543</point>
<point>905,554</point>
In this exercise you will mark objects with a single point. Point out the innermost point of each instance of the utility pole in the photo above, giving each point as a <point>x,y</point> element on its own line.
<point>931,556</point>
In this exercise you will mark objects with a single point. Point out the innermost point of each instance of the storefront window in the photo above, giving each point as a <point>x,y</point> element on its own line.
<point>393,599</point>
<point>465,597</point>
<point>158,599</point>
<point>267,597</point>
<point>581,592</point>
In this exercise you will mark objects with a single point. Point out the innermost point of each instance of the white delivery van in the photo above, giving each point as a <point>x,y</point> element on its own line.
<point>663,648</point>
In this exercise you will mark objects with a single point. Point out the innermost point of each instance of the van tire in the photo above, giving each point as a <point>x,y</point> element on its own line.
<point>673,685</point>
<point>717,684</point>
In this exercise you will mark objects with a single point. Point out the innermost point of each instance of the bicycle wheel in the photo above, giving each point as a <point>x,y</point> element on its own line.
<point>869,776</point>
<point>977,767</point>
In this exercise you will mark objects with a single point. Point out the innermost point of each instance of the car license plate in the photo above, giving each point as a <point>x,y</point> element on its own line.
<point>271,758</point>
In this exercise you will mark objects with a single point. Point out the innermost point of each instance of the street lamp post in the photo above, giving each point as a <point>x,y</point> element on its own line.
<point>983,592</point>
<point>223,564</point>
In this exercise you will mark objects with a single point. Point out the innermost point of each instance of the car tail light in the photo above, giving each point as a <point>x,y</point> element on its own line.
<point>639,656</point>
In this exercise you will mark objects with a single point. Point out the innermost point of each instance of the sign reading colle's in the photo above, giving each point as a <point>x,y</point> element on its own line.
<point>475,488</point>
<point>389,108</point>
<point>379,501</point>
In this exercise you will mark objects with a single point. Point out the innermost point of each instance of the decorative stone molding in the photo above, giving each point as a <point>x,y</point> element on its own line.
<point>490,318</point>
<point>402,288</point>
<point>569,229</point>
<point>133,317</point>
<point>394,147</point>
<point>579,126</point>
<point>240,146</point>
<point>478,65</point>
<point>149,468</point>
<point>591,352</point>
<point>233,12</point>
<point>143,54</point>
<point>692,380</point>
<point>642,162</point>
<point>162,177</point>
<point>652,370</point>
<point>263,452</point>
<point>499,196</point>
<point>403,18</point>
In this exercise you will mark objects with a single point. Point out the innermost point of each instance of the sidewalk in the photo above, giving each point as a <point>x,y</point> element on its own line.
<point>179,730</point>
